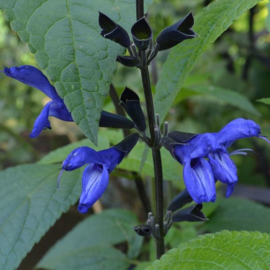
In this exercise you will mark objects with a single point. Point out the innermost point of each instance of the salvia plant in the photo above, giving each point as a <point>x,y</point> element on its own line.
<point>78,45</point>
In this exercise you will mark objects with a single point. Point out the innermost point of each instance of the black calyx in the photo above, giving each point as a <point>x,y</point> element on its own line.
<point>143,230</point>
<point>131,103</point>
<point>128,143</point>
<point>114,121</point>
<point>176,33</point>
<point>179,201</point>
<point>190,214</point>
<point>142,34</point>
<point>128,61</point>
<point>181,137</point>
<point>113,31</point>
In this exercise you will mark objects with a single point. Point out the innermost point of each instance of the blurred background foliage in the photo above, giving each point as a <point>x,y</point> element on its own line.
<point>226,84</point>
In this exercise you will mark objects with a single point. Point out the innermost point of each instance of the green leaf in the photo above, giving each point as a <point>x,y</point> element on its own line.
<point>65,37</point>
<point>230,97</point>
<point>239,214</point>
<point>30,204</point>
<point>77,249</point>
<point>210,23</point>
<point>142,265</point>
<point>223,250</point>
<point>264,100</point>
<point>97,257</point>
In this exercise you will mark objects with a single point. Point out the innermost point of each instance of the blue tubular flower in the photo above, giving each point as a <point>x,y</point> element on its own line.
<point>96,175</point>
<point>32,76</point>
<point>205,157</point>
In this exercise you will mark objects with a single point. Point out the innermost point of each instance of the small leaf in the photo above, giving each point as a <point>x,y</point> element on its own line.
<point>264,100</point>
<point>210,23</point>
<point>77,249</point>
<point>223,250</point>
<point>239,214</point>
<point>30,203</point>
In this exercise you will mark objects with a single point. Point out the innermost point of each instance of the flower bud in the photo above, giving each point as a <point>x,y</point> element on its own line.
<point>131,103</point>
<point>191,214</point>
<point>142,34</point>
<point>113,31</point>
<point>176,33</point>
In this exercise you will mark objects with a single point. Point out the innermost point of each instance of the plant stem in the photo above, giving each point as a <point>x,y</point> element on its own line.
<point>155,149</point>
<point>139,9</point>
<point>156,159</point>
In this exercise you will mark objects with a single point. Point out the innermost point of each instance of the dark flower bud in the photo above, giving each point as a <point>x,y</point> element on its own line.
<point>128,61</point>
<point>190,214</point>
<point>113,31</point>
<point>128,143</point>
<point>176,33</point>
<point>179,201</point>
<point>143,230</point>
<point>142,34</point>
<point>131,103</point>
<point>114,121</point>
<point>181,137</point>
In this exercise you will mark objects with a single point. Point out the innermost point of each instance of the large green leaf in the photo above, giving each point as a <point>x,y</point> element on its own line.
<point>210,23</point>
<point>239,214</point>
<point>65,37</point>
<point>29,206</point>
<point>229,97</point>
<point>223,250</point>
<point>87,246</point>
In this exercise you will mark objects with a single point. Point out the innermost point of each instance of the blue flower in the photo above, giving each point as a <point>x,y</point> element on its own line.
<point>205,158</point>
<point>96,174</point>
<point>32,76</point>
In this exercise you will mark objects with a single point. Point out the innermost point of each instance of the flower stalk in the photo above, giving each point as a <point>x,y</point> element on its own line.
<point>155,148</point>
